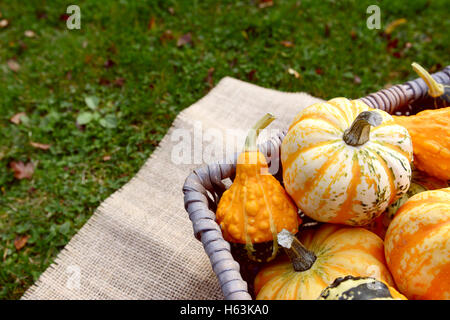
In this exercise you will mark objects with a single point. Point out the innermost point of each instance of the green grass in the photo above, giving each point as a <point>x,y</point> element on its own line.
<point>59,68</point>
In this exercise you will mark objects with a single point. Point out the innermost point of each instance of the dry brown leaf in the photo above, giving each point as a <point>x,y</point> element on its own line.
<point>13,65</point>
<point>20,242</point>
<point>16,118</point>
<point>209,77</point>
<point>184,39</point>
<point>106,158</point>
<point>151,23</point>
<point>119,82</point>
<point>167,35</point>
<point>265,3</point>
<point>22,170</point>
<point>41,146</point>
<point>287,44</point>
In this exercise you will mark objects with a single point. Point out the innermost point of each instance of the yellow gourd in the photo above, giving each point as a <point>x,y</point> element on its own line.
<point>256,207</point>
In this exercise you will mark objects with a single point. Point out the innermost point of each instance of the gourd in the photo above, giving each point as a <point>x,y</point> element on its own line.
<point>344,162</point>
<point>256,207</point>
<point>317,258</point>
<point>430,131</point>
<point>417,246</point>
<point>420,182</point>
<point>360,288</point>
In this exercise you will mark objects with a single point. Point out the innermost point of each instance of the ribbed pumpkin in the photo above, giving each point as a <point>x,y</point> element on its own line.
<point>256,207</point>
<point>360,288</point>
<point>317,258</point>
<point>344,162</point>
<point>417,246</point>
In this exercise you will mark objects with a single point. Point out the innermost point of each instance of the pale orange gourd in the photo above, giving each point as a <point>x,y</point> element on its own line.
<point>320,256</point>
<point>430,130</point>
<point>430,134</point>
<point>417,246</point>
<point>256,207</point>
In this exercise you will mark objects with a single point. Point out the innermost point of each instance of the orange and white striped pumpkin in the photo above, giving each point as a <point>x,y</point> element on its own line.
<point>339,251</point>
<point>344,162</point>
<point>417,246</point>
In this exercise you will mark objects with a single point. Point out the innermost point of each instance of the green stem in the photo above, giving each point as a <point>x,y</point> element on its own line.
<point>359,132</point>
<point>250,142</point>
<point>434,89</point>
<point>302,259</point>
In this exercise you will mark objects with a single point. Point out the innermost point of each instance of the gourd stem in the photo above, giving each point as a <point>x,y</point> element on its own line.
<point>302,259</point>
<point>359,132</point>
<point>434,89</point>
<point>250,142</point>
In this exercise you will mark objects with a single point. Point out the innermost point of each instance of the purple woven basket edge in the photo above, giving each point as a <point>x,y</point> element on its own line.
<point>203,188</point>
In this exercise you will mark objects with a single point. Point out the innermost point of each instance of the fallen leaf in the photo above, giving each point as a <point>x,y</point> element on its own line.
<point>294,73</point>
<point>287,44</point>
<point>84,44</point>
<point>151,23</point>
<point>265,3</point>
<point>319,71</point>
<point>392,44</point>
<point>397,55</point>
<point>119,82</point>
<point>184,39</point>
<point>209,77</point>
<point>21,170</point>
<point>64,17</point>
<point>4,23</point>
<point>13,65</point>
<point>353,35</point>
<point>356,79</point>
<point>109,64</point>
<point>107,158</point>
<point>104,82</point>
<point>251,75</point>
<point>20,242</point>
<point>16,118</point>
<point>29,34</point>
<point>393,25</point>
<point>327,30</point>
<point>41,15</point>
<point>167,35</point>
<point>171,10</point>
<point>41,146</point>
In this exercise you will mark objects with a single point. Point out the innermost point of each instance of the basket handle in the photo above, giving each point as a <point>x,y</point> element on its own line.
<point>398,96</point>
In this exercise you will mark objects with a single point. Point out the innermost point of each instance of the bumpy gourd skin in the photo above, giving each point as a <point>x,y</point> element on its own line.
<point>430,134</point>
<point>256,206</point>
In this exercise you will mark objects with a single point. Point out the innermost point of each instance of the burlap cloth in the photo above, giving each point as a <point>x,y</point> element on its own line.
<point>139,244</point>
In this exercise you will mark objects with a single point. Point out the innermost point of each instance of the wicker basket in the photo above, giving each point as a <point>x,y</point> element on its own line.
<point>204,187</point>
